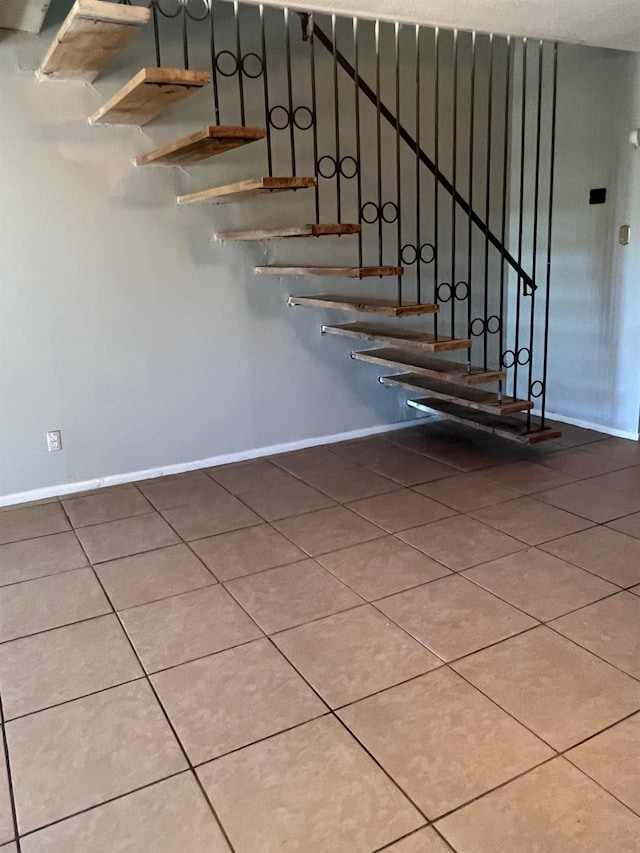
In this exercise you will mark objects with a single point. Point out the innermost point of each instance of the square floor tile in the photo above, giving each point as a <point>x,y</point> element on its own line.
<point>424,840</point>
<point>34,558</point>
<point>283,501</point>
<point>619,448</point>
<point>255,694</point>
<point>605,552</point>
<point>611,758</point>
<point>188,626</point>
<point>7,830</point>
<point>327,530</point>
<point>466,492</point>
<point>128,536</point>
<point>207,518</point>
<point>626,480</point>
<point>401,510</point>
<point>353,654</point>
<point>531,520</point>
<point>181,489</point>
<point>609,629</point>
<point>244,552</point>
<point>47,669</point>
<point>629,525</point>
<point>146,577</point>
<point>461,542</point>
<point>313,462</point>
<point>106,505</point>
<point>408,468</point>
<point>50,602</point>
<point>382,567</point>
<point>526,477</point>
<point>558,690</point>
<point>169,817</point>
<point>353,484</point>
<point>291,595</point>
<point>539,583</point>
<point>250,476</point>
<point>30,522</point>
<point>454,617</point>
<point>578,463</point>
<point>554,809</point>
<point>88,751</point>
<point>591,501</point>
<point>442,741</point>
<point>312,789</point>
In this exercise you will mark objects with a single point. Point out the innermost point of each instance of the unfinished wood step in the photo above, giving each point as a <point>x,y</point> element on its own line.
<point>337,272</point>
<point>243,190</point>
<point>514,428</point>
<point>398,337</point>
<point>323,230</point>
<point>149,94</point>
<point>364,304</point>
<point>472,398</point>
<point>211,140</point>
<point>93,33</point>
<point>425,365</point>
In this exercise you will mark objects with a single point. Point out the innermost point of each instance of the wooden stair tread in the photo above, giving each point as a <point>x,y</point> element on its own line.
<point>364,304</point>
<point>513,428</point>
<point>426,365</point>
<point>92,34</point>
<point>321,230</point>
<point>341,272</point>
<point>247,189</point>
<point>400,337</point>
<point>211,140</point>
<point>461,395</point>
<point>150,93</point>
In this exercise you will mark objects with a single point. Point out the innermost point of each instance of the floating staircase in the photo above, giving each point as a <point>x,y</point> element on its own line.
<point>96,31</point>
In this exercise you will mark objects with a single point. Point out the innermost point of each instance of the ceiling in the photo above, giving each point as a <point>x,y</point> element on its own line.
<point>613,23</point>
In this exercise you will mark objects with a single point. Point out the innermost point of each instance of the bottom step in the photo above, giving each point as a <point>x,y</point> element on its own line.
<point>514,428</point>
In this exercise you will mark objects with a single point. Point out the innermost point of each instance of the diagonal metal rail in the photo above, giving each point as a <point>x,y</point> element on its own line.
<point>404,134</point>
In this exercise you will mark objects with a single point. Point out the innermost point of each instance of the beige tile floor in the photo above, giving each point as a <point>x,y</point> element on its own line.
<point>422,642</point>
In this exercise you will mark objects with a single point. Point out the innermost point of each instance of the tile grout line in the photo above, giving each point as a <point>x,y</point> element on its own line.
<point>12,799</point>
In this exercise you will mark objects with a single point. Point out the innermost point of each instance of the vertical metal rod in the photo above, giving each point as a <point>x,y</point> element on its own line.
<point>398,159</point>
<point>552,163</point>
<point>487,206</point>
<point>156,31</point>
<point>356,79</point>
<point>472,113</point>
<point>214,64</point>
<point>378,138</point>
<point>536,200</point>
<point>523,130</point>
<point>265,81</point>
<point>436,169</point>
<point>505,184</point>
<point>236,17</point>
<point>292,127</point>
<point>314,110</point>
<point>418,193</point>
<point>336,119</point>
<point>185,44</point>
<point>454,176</point>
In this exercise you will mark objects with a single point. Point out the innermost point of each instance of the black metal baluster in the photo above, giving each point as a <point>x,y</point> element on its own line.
<point>156,31</point>
<point>454,177</point>
<point>185,44</point>
<point>487,206</point>
<point>314,110</point>
<point>552,162</point>
<point>436,171</point>
<point>505,185</point>
<point>472,113</point>
<point>265,82</point>
<point>336,114</point>
<point>418,174</point>
<point>398,160</point>
<point>523,129</point>
<point>356,65</point>
<point>378,139</point>
<point>536,200</point>
<point>292,129</point>
<point>236,17</point>
<point>214,63</point>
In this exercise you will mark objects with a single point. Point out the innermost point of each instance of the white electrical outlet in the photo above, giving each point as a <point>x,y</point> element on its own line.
<point>54,440</point>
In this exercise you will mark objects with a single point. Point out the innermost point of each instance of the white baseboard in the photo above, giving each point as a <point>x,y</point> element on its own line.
<point>618,433</point>
<point>224,459</point>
